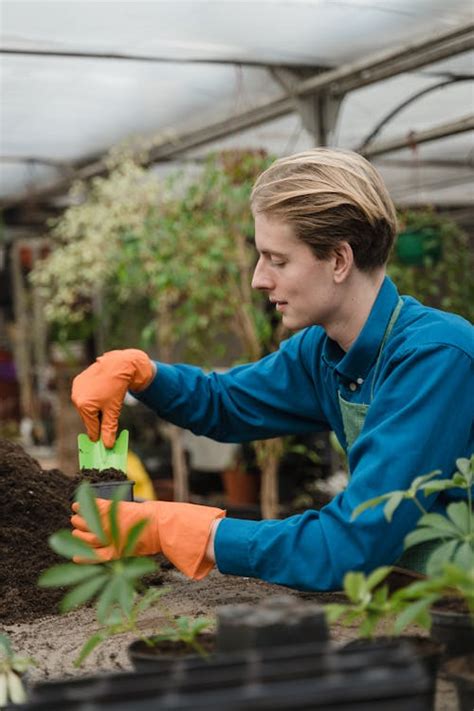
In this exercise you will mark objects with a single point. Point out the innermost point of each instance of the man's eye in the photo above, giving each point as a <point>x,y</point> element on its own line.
<point>274,263</point>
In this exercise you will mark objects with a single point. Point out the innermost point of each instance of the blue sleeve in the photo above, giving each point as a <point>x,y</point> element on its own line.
<point>274,396</point>
<point>420,420</point>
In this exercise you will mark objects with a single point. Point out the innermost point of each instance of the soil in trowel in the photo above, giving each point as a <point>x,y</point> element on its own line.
<point>96,476</point>
<point>34,503</point>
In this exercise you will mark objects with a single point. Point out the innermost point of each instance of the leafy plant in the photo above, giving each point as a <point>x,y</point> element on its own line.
<point>454,531</point>
<point>11,668</point>
<point>369,601</point>
<point>445,283</point>
<point>183,629</point>
<point>114,584</point>
<point>450,567</point>
<point>415,600</point>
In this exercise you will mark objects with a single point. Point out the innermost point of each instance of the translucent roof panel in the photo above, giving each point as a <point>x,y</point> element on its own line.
<point>57,110</point>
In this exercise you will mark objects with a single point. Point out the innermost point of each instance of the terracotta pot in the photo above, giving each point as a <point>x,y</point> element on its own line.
<point>240,486</point>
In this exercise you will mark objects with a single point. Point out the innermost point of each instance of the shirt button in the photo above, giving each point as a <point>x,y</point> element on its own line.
<point>360,381</point>
<point>352,386</point>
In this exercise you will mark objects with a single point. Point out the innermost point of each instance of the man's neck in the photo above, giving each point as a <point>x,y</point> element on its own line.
<point>358,296</point>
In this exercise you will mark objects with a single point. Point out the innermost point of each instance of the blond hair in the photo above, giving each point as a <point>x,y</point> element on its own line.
<point>329,196</point>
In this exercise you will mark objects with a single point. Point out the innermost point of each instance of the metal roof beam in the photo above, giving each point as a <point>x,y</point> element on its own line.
<point>353,75</point>
<point>414,138</point>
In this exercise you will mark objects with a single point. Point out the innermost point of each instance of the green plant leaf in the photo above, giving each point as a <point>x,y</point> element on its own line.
<point>392,504</point>
<point>437,521</point>
<point>133,536</point>
<point>376,577</point>
<point>440,485</point>
<point>89,511</point>
<point>82,593</point>
<point>108,598</point>
<point>126,594</point>
<point>89,647</point>
<point>113,521</point>
<point>6,645</point>
<point>134,568</point>
<point>464,557</point>
<point>442,554</point>
<point>465,467</point>
<point>461,516</point>
<point>151,596</point>
<point>67,574</point>
<point>16,690</point>
<point>367,627</point>
<point>420,535</point>
<point>333,612</point>
<point>355,586</point>
<point>67,545</point>
<point>420,480</point>
<point>370,504</point>
<point>416,612</point>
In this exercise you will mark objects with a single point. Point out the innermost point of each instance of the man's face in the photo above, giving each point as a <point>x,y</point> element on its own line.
<point>299,284</point>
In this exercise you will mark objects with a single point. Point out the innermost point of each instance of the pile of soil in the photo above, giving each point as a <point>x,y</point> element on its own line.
<point>34,503</point>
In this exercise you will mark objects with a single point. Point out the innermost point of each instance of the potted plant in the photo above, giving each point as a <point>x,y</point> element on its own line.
<point>444,600</point>
<point>183,637</point>
<point>450,566</point>
<point>372,607</point>
<point>12,669</point>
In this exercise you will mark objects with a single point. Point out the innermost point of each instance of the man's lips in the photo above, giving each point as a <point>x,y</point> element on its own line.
<point>279,305</point>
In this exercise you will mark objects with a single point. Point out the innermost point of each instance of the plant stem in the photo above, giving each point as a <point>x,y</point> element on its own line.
<point>420,506</point>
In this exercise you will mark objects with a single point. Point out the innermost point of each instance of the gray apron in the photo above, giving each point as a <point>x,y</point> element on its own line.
<point>353,418</point>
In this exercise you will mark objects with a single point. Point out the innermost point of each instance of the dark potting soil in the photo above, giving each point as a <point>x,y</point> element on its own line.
<point>452,604</point>
<point>34,503</point>
<point>178,648</point>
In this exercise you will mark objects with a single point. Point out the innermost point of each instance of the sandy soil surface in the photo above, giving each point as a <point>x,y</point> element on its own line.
<point>54,641</point>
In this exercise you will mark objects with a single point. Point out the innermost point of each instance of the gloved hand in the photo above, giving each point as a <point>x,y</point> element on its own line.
<point>101,389</point>
<point>179,531</point>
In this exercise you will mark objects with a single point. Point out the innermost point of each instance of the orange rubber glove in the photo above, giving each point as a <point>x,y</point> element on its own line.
<point>101,389</point>
<point>179,531</point>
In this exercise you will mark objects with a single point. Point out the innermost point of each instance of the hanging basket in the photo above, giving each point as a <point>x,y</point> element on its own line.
<point>415,246</point>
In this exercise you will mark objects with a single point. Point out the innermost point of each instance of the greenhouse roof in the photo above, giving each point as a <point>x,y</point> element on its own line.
<point>190,76</point>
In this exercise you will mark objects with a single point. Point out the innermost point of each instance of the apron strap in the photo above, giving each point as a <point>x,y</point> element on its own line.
<point>386,336</point>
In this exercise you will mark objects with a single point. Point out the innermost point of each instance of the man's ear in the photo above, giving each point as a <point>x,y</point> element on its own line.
<point>343,261</point>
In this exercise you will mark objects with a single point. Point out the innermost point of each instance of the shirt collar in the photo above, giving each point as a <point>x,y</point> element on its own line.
<point>356,363</point>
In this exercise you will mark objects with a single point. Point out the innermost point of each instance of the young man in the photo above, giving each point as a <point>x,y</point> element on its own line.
<point>389,376</point>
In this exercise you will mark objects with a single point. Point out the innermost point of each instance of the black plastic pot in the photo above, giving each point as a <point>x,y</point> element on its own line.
<point>286,678</point>
<point>107,489</point>
<point>453,629</point>
<point>276,621</point>
<point>147,658</point>
<point>460,671</point>
<point>427,651</point>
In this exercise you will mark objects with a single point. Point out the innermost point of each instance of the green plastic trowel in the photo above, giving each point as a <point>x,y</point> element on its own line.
<point>95,455</point>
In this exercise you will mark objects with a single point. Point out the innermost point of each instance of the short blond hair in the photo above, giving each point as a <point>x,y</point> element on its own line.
<point>329,196</point>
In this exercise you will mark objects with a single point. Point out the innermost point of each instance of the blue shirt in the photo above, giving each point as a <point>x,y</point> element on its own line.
<point>419,419</point>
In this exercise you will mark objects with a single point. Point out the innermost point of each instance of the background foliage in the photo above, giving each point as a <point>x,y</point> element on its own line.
<point>445,284</point>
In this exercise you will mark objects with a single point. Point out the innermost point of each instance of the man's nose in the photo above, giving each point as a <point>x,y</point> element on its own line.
<point>261,279</point>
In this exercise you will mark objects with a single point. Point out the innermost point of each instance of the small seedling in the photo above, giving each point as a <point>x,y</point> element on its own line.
<point>185,630</point>
<point>12,666</point>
